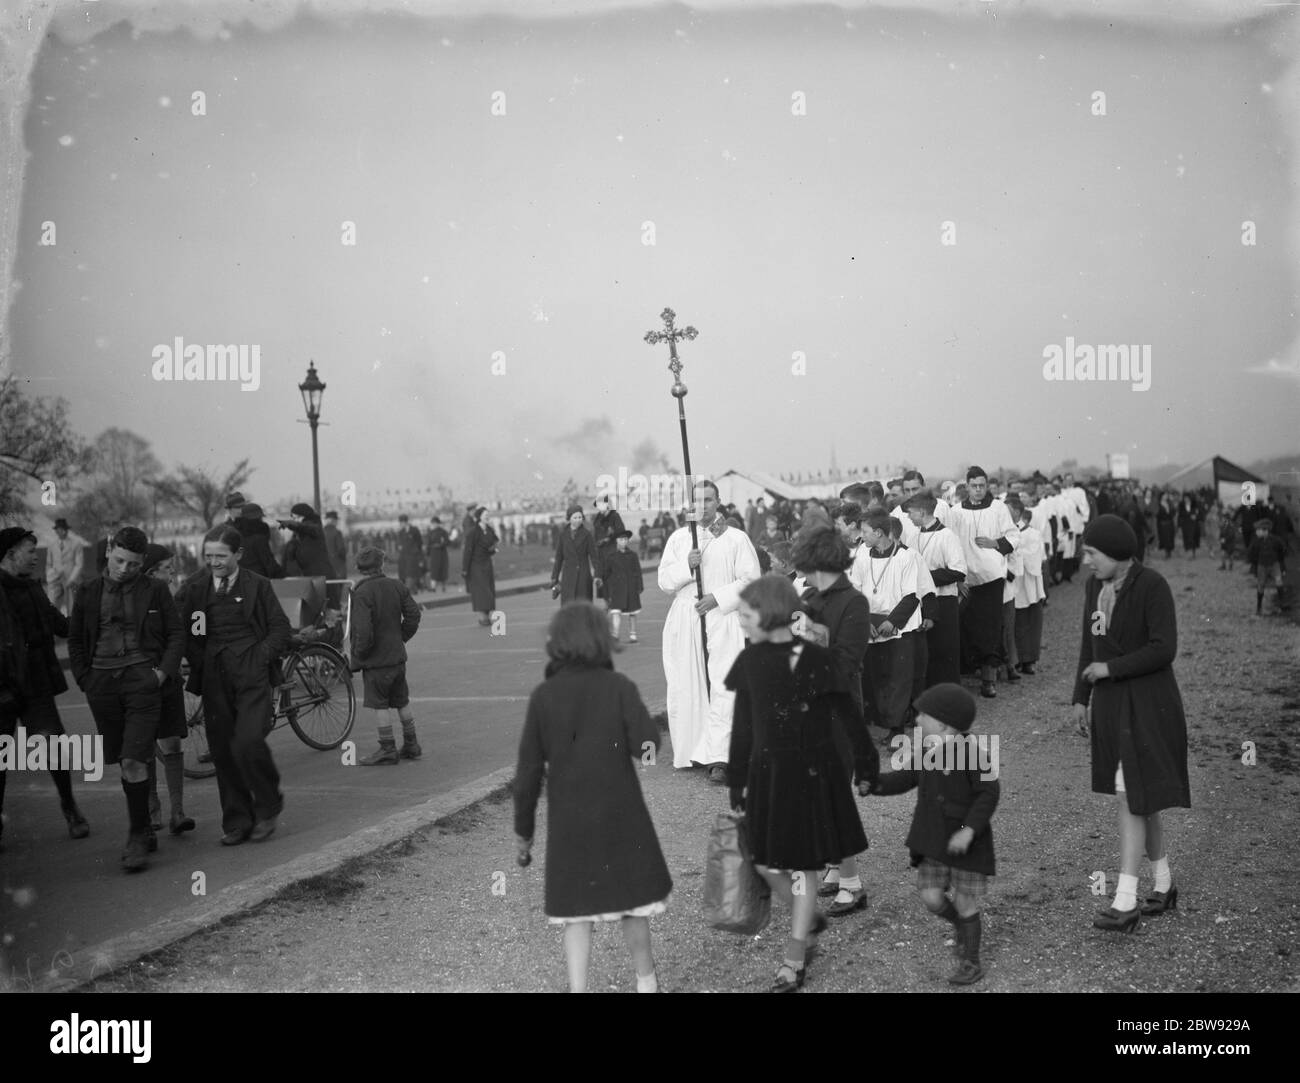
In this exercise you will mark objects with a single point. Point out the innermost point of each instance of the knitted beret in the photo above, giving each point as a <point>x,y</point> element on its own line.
<point>951,704</point>
<point>1111,535</point>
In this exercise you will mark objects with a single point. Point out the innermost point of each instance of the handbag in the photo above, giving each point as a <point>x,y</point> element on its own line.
<point>736,898</point>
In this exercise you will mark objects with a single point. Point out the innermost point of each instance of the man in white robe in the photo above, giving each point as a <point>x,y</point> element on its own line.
<point>699,713</point>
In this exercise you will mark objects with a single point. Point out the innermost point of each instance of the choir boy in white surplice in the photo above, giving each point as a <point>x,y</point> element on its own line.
<point>988,536</point>
<point>942,554</point>
<point>889,575</point>
<point>1081,512</point>
<point>699,716</point>
<point>1030,594</point>
<point>913,483</point>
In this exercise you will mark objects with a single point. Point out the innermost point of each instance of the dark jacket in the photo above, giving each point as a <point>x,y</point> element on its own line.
<point>262,608</point>
<point>336,547</point>
<point>384,617</point>
<point>946,802</point>
<point>575,561</point>
<point>476,566</point>
<point>27,628</point>
<point>157,625</point>
<point>846,613</point>
<point>604,528</point>
<point>306,554</point>
<point>585,730</point>
<point>410,553</point>
<point>1137,713</point>
<point>257,556</point>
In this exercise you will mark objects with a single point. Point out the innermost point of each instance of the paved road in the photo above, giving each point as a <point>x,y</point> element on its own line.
<point>468,689</point>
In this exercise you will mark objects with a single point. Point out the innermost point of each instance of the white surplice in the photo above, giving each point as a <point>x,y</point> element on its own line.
<point>699,719</point>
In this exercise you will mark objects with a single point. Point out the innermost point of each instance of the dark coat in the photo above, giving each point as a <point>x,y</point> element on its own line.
<point>336,547</point>
<point>799,803</point>
<point>476,567</point>
<point>583,729</point>
<point>410,553</point>
<point>261,607</point>
<point>624,581</point>
<point>603,530</point>
<point>438,540</point>
<point>306,553</point>
<point>1164,527</point>
<point>847,616</point>
<point>384,617</point>
<point>32,666</point>
<point>257,555</point>
<point>947,801</point>
<point>575,559</point>
<point>1137,713</point>
<point>157,626</point>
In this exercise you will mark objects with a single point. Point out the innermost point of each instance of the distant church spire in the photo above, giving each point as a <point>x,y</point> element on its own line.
<point>835,470</point>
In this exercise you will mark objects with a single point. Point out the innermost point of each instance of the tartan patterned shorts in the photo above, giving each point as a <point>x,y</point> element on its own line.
<point>936,874</point>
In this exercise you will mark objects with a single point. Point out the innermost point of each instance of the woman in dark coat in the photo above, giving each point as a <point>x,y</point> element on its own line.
<point>784,768</point>
<point>438,539</point>
<point>1139,732</point>
<point>476,567</point>
<point>1189,523</point>
<point>606,526</point>
<point>586,729</point>
<point>1165,525</point>
<point>575,560</point>
<point>410,554</point>
<point>306,553</point>
<point>257,544</point>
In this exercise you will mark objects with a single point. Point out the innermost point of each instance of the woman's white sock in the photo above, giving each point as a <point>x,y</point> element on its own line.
<point>1160,870</point>
<point>648,984</point>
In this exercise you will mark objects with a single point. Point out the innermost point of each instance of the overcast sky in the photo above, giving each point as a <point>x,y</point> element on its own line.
<point>779,232</point>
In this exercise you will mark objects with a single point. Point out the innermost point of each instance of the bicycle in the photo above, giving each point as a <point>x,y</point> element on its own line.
<point>315,695</point>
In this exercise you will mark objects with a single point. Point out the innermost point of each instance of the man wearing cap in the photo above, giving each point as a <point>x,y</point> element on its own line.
<point>439,564</point>
<point>234,505</point>
<point>63,567</point>
<point>257,556</point>
<point>384,618</point>
<point>410,554</point>
<point>30,674</point>
<point>124,645</point>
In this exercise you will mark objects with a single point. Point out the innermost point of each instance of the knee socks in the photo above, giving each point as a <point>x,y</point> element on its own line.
<point>174,772</point>
<point>386,737</point>
<point>137,804</point>
<point>62,783</point>
<point>968,936</point>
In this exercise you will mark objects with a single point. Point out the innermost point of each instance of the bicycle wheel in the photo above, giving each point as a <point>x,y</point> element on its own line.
<point>198,760</point>
<point>322,704</point>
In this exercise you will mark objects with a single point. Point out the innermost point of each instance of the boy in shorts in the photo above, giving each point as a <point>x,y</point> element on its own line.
<point>384,617</point>
<point>1267,556</point>
<point>951,839</point>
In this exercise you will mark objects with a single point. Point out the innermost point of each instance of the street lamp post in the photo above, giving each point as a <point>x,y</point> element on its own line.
<point>312,390</point>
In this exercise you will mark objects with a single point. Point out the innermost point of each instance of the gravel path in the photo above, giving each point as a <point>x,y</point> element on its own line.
<point>449,910</point>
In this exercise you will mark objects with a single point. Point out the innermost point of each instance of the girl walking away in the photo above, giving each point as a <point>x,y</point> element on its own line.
<point>951,839</point>
<point>785,770</point>
<point>476,565</point>
<point>1139,733</point>
<point>586,728</point>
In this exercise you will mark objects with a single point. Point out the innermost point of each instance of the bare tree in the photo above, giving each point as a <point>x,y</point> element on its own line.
<point>36,443</point>
<point>197,490</point>
<point>120,465</point>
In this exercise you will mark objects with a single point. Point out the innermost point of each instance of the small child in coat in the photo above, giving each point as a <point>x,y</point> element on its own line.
<point>1267,556</point>
<point>951,839</point>
<point>384,617</point>
<point>1227,543</point>
<point>623,586</point>
<point>585,732</point>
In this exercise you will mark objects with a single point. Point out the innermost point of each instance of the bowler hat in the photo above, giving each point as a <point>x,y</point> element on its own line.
<point>61,524</point>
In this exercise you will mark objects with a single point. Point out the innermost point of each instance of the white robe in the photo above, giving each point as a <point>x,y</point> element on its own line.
<point>909,531</point>
<point>994,521</point>
<point>699,717</point>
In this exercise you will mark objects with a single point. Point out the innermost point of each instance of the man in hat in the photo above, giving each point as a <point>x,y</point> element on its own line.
<point>410,554</point>
<point>124,645</point>
<point>234,505</point>
<point>63,567</point>
<point>336,545</point>
<point>30,674</point>
<point>257,543</point>
<point>305,554</point>
<point>384,618</point>
<point>438,539</point>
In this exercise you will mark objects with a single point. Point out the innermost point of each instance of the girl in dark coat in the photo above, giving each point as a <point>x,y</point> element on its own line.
<point>575,560</point>
<point>586,728</point>
<point>842,623</point>
<point>257,544</point>
<point>606,526</point>
<point>623,585</point>
<point>476,567</point>
<point>784,769</point>
<point>1139,733</point>
<point>1189,523</point>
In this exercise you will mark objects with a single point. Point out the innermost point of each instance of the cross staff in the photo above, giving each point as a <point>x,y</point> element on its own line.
<point>671,335</point>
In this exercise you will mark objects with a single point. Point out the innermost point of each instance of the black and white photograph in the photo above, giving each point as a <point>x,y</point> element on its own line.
<point>504,496</point>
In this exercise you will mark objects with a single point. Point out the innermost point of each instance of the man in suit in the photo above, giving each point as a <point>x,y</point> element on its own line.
<point>63,569</point>
<point>234,630</point>
<point>124,644</point>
